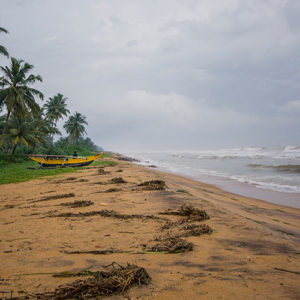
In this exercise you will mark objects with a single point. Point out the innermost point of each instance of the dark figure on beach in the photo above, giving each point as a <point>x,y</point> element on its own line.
<point>75,154</point>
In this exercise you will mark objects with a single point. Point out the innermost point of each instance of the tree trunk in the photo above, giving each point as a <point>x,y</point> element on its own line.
<point>33,147</point>
<point>5,127</point>
<point>15,146</point>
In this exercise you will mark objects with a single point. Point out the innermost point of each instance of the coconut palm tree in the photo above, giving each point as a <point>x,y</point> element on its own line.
<point>56,107</point>
<point>22,132</point>
<point>16,94</point>
<point>43,126</point>
<point>2,48</point>
<point>75,126</point>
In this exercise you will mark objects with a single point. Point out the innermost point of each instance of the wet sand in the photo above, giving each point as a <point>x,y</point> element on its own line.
<point>253,252</point>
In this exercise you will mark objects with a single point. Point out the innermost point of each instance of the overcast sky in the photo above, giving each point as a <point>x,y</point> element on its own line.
<point>167,74</point>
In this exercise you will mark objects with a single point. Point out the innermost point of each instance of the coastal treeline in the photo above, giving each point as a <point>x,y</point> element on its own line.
<point>26,126</point>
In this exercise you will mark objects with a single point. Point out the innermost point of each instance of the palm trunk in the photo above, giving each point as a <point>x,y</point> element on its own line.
<point>5,127</point>
<point>15,146</point>
<point>33,147</point>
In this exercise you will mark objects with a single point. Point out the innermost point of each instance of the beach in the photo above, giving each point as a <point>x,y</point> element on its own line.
<point>251,253</point>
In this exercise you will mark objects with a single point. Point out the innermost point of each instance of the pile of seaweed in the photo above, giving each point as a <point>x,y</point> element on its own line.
<point>116,280</point>
<point>195,230</point>
<point>170,245</point>
<point>189,214</point>
<point>118,180</point>
<point>152,185</point>
<point>78,203</point>
<point>101,171</point>
<point>188,210</point>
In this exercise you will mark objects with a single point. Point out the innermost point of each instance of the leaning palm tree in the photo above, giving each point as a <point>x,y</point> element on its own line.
<point>15,92</point>
<point>2,48</point>
<point>22,132</point>
<point>75,126</point>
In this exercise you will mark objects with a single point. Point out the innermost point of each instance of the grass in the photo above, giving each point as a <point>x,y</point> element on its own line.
<point>19,172</point>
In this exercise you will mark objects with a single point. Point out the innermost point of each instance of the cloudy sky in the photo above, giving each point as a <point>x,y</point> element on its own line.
<point>167,74</point>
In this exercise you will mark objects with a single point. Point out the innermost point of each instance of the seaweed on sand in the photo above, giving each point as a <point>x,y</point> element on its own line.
<point>112,190</point>
<point>118,180</point>
<point>104,283</point>
<point>187,210</point>
<point>101,252</point>
<point>106,213</point>
<point>101,171</point>
<point>171,245</point>
<point>153,185</point>
<point>54,197</point>
<point>196,230</point>
<point>78,203</point>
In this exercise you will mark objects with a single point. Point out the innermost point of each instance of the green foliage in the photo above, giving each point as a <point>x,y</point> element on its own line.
<point>19,172</point>
<point>16,95</point>
<point>56,108</point>
<point>26,127</point>
<point>75,126</point>
<point>63,146</point>
<point>22,132</point>
<point>3,50</point>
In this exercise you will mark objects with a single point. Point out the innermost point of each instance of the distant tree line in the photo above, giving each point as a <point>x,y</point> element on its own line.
<point>26,125</point>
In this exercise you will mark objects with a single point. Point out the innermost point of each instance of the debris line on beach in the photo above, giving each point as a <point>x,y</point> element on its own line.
<point>100,252</point>
<point>188,210</point>
<point>103,283</point>
<point>118,180</point>
<point>111,190</point>
<point>101,171</point>
<point>78,203</point>
<point>106,213</point>
<point>152,185</point>
<point>54,197</point>
<point>171,245</point>
<point>196,230</point>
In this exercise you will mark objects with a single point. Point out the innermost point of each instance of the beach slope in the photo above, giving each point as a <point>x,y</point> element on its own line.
<point>242,248</point>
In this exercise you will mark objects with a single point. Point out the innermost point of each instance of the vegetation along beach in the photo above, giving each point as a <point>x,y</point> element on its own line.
<point>150,150</point>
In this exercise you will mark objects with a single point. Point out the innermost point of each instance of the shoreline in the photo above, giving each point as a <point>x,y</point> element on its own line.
<point>242,189</point>
<point>252,253</point>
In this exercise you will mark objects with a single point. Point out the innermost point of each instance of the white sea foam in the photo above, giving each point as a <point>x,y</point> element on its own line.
<point>252,165</point>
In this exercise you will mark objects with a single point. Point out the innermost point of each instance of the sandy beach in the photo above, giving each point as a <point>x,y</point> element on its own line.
<point>252,252</point>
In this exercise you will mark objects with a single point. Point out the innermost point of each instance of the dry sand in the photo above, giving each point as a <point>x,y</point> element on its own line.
<point>253,252</point>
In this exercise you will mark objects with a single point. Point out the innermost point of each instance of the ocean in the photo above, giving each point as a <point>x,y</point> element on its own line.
<point>268,173</point>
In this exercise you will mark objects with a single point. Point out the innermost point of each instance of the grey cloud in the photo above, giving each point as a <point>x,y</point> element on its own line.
<point>231,67</point>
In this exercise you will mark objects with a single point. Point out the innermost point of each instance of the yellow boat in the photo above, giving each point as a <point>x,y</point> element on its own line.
<point>47,161</point>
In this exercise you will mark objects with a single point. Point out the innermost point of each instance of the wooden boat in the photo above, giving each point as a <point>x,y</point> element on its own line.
<point>47,161</point>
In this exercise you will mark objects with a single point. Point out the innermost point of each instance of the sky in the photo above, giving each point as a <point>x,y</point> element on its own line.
<point>167,74</point>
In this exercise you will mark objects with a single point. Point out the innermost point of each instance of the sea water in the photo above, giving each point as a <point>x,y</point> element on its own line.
<point>274,172</point>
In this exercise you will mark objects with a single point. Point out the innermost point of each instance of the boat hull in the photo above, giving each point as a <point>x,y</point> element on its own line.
<point>50,162</point>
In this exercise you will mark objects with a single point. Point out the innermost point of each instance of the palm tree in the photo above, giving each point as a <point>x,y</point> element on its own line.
<point>43,126</point>
<point>2,48</point>
<point>15,93</point>
<point>74,126</point>
<point>55,108</point>
<point>22,132</point>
